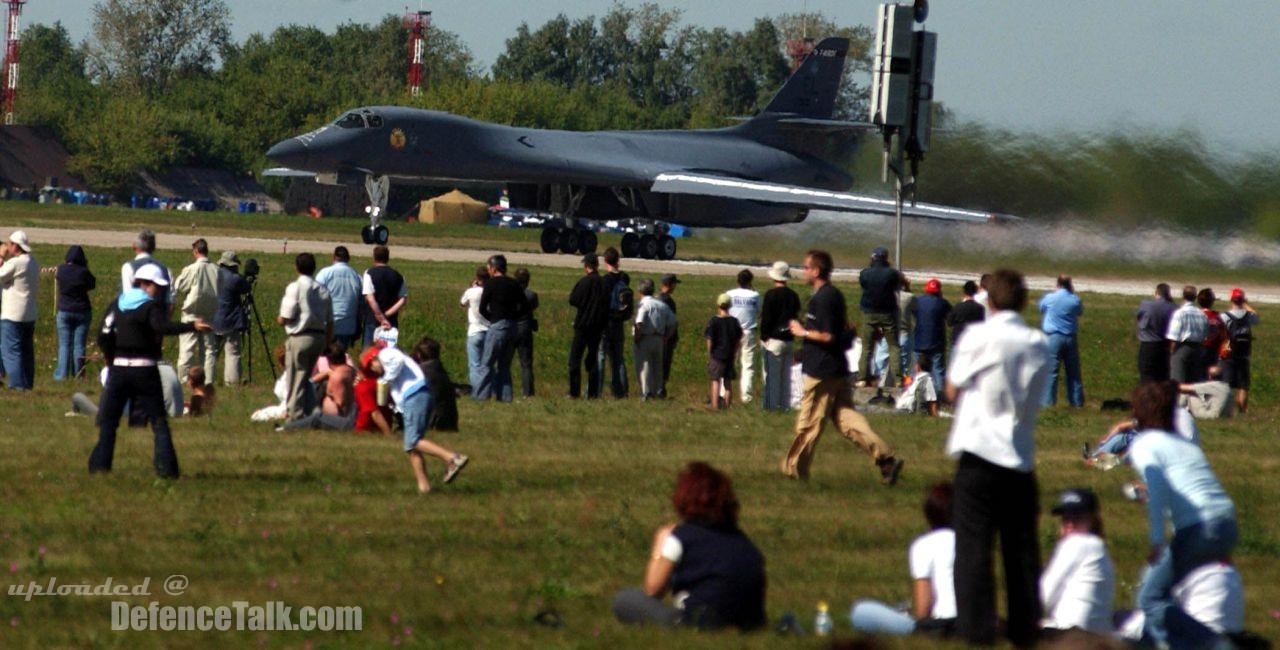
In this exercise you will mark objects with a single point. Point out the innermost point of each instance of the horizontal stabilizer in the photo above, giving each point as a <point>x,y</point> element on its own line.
<point>736,188</point>
<point>827,125</point>
<point>285,171</point>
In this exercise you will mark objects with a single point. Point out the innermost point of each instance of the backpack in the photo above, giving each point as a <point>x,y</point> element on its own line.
<point>1239,334</point>
<point>621,298</point>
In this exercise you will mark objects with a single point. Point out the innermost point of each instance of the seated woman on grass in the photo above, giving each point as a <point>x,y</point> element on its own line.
<point>714,572</point>
<point>931,560</point>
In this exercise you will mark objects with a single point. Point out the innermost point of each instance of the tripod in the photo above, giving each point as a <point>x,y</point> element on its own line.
<point>251,307</point>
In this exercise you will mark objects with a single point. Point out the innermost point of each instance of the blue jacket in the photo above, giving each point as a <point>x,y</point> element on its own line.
<point>930,312</point>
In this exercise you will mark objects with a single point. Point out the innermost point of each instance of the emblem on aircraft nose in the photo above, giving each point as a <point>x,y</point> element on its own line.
<point>397,139</point>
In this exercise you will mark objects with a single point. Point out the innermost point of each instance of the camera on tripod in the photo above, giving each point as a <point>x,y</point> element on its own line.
<point>250,274</point>
<point>251,270</point>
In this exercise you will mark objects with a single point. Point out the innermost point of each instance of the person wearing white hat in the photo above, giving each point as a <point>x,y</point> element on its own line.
<point>19,287</point>
<point>131,339</point>
<point>780,306</point>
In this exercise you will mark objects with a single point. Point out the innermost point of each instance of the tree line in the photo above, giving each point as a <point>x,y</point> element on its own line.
<point>160,83</point>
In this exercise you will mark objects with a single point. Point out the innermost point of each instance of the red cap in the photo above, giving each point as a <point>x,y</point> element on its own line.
<point>933,286</point>
<point>1237,294</point>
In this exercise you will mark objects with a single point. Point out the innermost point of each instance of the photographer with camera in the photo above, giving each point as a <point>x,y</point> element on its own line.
<point>231,320</point>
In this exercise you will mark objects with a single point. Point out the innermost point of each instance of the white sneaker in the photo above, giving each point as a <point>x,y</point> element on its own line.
<point>459,461</point>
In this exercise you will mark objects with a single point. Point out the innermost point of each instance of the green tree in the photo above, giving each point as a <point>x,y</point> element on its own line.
<point>143,44</point>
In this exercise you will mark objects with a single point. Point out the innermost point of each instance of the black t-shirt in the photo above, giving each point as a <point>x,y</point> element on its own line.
<point>725,333</point>
<point>589,297</point>
<point>503,299</point>
<point>780,305</point>
<point>723,572</point>
<point>964,313</point>
<point>826,313</point>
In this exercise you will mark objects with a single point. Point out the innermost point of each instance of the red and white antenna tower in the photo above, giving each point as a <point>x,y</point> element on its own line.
<point>10,90</point>
<point>417,24</point>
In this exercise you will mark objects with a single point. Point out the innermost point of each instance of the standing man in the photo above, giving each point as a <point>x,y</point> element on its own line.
<point>654,325</point>
<point>230,322</point>
<point>930,312</point>
<point>966,312</point>
<point>144,245</point>
<point>745,307</point>
<point>503,304</point>
<point>780,306</point>
<point>345,287</point>
<point>617,288</point>
<point>306,312</point>
<point>997,380</point>
<point>906,330</point>
<point>826,381</point>
<point>1238,322</point>
<point>879,306</point>
<point>131,339</point>
<point>384,292</point>
<point>1187,329</point>
<point>591,301</point>
<point>1153,322</point>
<point>202,285</point>
<point>665,295</point>
<point>525,328</point>
<point>1060,313</point>
<point>477,326</point>
<point>19,289</point>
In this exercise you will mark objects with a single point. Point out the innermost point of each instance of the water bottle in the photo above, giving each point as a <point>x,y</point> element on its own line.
<point>822,622</point>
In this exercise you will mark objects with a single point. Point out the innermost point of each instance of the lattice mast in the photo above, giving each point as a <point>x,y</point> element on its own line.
<point>417,24</point>
<point>9,93</point>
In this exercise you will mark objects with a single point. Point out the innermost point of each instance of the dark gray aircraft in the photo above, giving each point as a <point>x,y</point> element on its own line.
<point>770,169</point>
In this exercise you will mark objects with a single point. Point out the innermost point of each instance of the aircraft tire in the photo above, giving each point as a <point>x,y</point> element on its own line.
<point>587,242</point>
<point>649,247</point>
<point>569,240</point>
<point>550,240</point>
<point>631,245</point>
<point>381,235</point>
<point>366,234</point>
<point>666,247</point>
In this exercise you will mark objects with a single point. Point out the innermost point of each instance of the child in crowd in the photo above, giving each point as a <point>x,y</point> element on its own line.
<point>203,395</point>
<point>723,333</point>
<point>369,415</point>
<point>1078,585</point>
<point>444,417</point>
<point>279,410</point>
<point>401,377</point>
<point>920,395</point>
<point>337,410</point>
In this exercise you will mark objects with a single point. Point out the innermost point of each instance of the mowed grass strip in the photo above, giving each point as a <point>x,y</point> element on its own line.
<point>556,510</point>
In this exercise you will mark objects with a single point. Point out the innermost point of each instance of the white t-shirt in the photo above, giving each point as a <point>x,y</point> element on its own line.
<point>932,557</point>
<point>744,305</point>
<point>476,324</point>
<point>920,392</point>
<point>1078,586</point>
<point>1211,594</point>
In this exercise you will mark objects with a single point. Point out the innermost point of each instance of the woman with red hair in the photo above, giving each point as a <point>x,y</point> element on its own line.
<point>714,572</point>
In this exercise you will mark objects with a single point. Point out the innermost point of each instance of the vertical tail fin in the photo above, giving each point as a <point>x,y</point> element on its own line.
<point>811,91</point>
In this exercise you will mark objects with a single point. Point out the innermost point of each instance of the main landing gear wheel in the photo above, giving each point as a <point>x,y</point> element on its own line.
<point>666,247</point>
<point>550,240</point>
<point>588,242</point>
<point>569,240</point>
<point>649,247</point>
<point>381,235</point>
<point>631,245</point>
<point>366,234</point>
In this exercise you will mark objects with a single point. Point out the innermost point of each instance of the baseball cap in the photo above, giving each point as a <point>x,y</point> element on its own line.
<point>229,259</point>
<point>933,286</point>
<point>590,259</point>
<point>151,273</point>
<point>879,252</point>
<point>1237,294</point>
<point>723,300</point>
<point>19,237</point>
<point>780,271</point>
<point>1076,501</point>
<point>670,279</point>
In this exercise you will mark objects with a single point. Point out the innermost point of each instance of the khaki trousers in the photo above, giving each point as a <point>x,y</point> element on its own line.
<point>823,399</point>
<point>648,357</point>
<point>301,352</point>
<point>197,349</point>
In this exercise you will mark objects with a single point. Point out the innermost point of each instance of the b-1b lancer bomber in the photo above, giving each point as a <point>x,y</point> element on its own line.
<point>770,169</point>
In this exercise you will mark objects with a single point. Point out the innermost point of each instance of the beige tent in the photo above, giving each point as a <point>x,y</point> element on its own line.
<point>454,207</point>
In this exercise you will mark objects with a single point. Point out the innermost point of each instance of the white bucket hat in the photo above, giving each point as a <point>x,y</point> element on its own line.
<point>151,273</point>
<point>780,271</point>
<point>19,237</point>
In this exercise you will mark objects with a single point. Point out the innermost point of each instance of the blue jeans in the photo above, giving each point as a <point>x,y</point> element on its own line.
<point>73,328</point>
<point>874,617</point>
<point>475,354</point>
<point>499,348</point>
<point>906,354</point>
<point>777,378</point>
<point>938,371</point>
<point>17,347</point>
<point>1193,546</point>
<point>1066,352</point>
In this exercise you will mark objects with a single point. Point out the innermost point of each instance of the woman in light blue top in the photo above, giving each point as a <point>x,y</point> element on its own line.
<point>1181,484</point>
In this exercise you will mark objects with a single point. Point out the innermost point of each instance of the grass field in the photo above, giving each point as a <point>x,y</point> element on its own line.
<point>556,510</point>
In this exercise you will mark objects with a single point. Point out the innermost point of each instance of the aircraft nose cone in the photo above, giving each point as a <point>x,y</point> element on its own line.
<point>290,153</point>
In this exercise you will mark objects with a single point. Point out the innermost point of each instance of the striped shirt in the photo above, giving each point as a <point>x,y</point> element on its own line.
<point>1187,325</point>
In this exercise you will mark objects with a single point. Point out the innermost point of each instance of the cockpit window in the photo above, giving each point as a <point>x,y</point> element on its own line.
<point>350,121</point>
<point>375,121</point>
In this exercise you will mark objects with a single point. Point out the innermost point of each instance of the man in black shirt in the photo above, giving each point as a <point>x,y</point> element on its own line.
<point>131,340</point>
<point>385,294</point>
<point>779,308</point>
<point>879,304</point>
<point>525,327</point>
<point>617,290</point>
<point>503,304</point>
<point>965,312</point>
<point>669,282</point>
<point>826,387</point>
<point>592,303</point>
